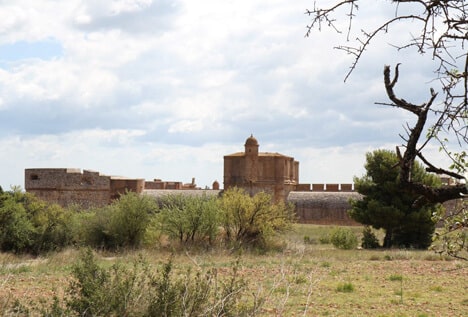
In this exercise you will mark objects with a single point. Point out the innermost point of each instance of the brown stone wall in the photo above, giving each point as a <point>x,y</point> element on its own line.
<point>332,187</point>
<point>234,171</point>
<point>64,179</point>
<point>323,207</point>
<point>119,186</point>
<point>158,184</point>
<point>154,185</point>
<point>302,187</point>
<point>84,198</point>
<point>67,186</point>
<point>346,187</point>
<point>318,187</point>
<point>266,169</point>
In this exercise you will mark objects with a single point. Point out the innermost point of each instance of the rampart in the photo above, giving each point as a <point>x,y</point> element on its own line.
<point>67,186</point>
<point>323,207</point>
<point>325,187</point>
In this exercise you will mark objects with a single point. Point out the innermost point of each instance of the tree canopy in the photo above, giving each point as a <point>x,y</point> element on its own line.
<point>387,206</point>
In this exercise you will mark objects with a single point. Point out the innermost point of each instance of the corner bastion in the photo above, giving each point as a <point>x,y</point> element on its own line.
<point>68,186</point>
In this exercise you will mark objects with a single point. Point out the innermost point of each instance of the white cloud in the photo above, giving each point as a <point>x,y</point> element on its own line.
<point>164,89</point>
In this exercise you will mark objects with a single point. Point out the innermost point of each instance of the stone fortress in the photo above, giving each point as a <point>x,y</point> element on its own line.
<point>254,171</point>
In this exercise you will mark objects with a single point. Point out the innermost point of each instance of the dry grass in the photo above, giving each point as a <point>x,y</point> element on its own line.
<point>305,280</point>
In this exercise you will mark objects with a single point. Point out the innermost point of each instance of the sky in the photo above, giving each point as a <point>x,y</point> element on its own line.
<point>164,89</point>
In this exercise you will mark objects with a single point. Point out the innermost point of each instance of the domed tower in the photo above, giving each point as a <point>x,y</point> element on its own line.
<point>251,162</point>
<point>251,146</point>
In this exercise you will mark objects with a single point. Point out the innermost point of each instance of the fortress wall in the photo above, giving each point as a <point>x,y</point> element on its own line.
<point>332,187</point>
<point>85,198</point>
<point>66,186</point>
<point>64,179</point>
<point>323,207</point>
<point>119,186</point>
<point>346,187</point>
<point>158,184</point>
<point>302,187</point>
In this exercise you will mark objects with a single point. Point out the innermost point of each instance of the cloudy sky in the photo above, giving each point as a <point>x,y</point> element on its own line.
<point>163,89</point>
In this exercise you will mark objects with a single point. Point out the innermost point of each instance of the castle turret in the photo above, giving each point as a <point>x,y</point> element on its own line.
<point>251,161</point>
<point>251,146</point>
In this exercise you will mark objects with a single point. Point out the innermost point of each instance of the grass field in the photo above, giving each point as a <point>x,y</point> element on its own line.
<point>312,279</point>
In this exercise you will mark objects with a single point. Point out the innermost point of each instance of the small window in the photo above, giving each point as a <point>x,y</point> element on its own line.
<point>34,177</point>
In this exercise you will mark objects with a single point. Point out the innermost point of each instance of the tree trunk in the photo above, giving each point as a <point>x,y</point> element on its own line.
<point>387,242</point>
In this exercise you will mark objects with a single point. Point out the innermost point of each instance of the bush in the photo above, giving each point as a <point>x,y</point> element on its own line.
<point>137,291</point>
<point>343,238</point>
<point>251,221</point>
<point>369,240</point>
<point>28,224</point>
<point>16,229</point>
<point>96,291</point>
<point>190,220</point>
<point>121,224</point>
<point>345,288</point>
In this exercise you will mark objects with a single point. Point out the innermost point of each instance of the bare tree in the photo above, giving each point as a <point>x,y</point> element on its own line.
<point>443,33</point>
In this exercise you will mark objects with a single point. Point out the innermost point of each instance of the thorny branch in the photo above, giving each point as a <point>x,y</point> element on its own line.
<point>412,151</point>
<point>443,33</point>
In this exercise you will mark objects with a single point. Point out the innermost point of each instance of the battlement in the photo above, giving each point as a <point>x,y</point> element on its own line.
<point>64,179</point>
<point>333,187</point>
<point>325,187</point>
<point>66,186</point>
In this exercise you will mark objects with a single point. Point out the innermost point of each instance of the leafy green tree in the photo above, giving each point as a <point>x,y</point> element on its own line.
<point>386,205</point>
<point>252,220</point>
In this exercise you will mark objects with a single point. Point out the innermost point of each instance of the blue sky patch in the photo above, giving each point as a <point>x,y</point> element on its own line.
<point>20,50</point>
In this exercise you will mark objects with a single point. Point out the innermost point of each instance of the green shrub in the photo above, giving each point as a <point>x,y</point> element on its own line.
<point>138,291</point>
<point>324,238</point>
<point>16,230</point>
<point>369,240</point>
<point>309,240</point>
<point>116,291</point>
<point>251,221</point>
<point>190,219</point>
<point>343,238</point>
<point>345,288</point>
<point>396,277</point>
<point>28,224</point>
<point>121,224</point>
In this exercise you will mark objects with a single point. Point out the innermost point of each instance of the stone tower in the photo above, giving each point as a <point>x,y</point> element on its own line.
<point>251,160</point>
<point>256,171</point>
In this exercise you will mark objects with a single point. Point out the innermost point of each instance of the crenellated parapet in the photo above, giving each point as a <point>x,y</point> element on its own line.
<point>332,187</point>
<point>67,186</point>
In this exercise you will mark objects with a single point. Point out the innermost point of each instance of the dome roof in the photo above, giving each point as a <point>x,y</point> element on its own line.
<point>251,141</point>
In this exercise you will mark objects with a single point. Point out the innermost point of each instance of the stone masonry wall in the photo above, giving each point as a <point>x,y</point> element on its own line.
<point>68,186</point>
